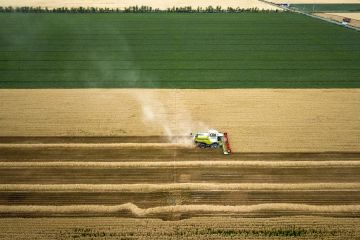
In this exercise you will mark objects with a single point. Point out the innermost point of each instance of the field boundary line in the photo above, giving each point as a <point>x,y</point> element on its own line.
<point>178,186</point>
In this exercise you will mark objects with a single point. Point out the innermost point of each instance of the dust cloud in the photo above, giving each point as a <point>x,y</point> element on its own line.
<point>171,116</point>
<point>174,119</point>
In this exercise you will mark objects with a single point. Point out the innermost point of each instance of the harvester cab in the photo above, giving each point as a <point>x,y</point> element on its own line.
<point>212,139</point>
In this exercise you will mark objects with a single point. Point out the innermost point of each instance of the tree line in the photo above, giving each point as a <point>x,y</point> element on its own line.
<point>133,9</point>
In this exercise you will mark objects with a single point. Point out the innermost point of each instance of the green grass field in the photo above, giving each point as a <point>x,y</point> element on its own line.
<point>327,7</point>
<point>248,50</point>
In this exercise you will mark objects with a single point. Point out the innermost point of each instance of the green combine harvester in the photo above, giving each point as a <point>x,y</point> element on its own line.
<point>212,139</point>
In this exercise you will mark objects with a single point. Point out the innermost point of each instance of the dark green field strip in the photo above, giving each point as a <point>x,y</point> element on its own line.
<point>152,199</point>
<point>201,65</point>
<point>281,50</point>
<point>112,58</point>
<point>336,7</point>
<point>214,174</point>
<point>335,78</point>
<point>167,49</point>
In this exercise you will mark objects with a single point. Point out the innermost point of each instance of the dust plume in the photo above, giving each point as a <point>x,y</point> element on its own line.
<point>172,117</point>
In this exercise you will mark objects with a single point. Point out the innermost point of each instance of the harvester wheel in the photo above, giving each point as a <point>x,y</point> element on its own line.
<point>201,145</point>
<point>214,145</point>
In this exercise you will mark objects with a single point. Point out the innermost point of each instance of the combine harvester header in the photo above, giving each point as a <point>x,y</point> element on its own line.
<point>226,144</point>
<point>212,139</point>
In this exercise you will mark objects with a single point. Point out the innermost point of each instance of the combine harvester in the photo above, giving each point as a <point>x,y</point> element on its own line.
<point>212,139</point>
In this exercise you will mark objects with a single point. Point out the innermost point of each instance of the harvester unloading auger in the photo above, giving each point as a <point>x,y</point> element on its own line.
<point>212,139</point>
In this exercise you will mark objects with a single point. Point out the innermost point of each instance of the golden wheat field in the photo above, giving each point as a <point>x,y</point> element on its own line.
<point>257,120</point>
<point>196,228</point>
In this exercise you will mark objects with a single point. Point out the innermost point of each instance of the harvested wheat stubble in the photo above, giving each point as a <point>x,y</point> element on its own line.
<point>43,154</point>
<point>257,120</point>
<point>171,174</point>
<point>96,145</point>
<point>182,197</point>
<point>171,163</point>
<point>177,186</point>
<point>352,15</point>
<point>89,139</point>
<point>139,212</point>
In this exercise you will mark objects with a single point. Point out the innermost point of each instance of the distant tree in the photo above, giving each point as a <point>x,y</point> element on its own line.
<point>132,9</point>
